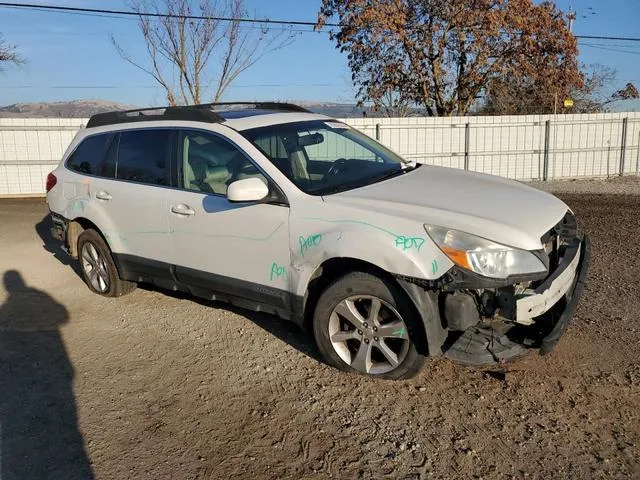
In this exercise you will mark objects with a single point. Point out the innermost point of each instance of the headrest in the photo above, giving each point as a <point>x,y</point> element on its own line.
<point>216,174</point>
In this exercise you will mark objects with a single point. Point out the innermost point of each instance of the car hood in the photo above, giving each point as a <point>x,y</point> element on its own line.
<point>491,207</point>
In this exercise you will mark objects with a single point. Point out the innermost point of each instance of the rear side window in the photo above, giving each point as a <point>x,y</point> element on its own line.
<point>142,156</point>
<point>87,156</point>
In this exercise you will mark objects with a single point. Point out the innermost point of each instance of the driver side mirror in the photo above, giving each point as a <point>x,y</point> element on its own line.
<point>247,190</point>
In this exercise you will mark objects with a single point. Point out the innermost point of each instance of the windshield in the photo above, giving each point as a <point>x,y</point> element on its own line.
<point>322,157</point>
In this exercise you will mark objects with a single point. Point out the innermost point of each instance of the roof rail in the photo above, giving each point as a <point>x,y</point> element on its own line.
<point>154,113</point>
<point>197,113</point>
<point>281,106</point>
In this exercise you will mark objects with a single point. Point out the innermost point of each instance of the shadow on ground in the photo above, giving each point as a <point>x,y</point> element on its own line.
<point>53,246</point>
<point>284,330</point>
<point>39,436</point>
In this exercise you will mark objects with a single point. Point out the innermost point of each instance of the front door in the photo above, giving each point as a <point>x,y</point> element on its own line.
<point>238,250</point>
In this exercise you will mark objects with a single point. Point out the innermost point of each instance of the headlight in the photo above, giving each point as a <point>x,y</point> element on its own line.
<point>483,256</point>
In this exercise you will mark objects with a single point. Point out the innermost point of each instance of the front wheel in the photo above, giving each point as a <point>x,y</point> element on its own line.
<point>365,324</point>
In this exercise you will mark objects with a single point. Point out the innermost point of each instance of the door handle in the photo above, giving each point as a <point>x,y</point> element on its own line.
<point>103,195</point>
<point>182,209</point>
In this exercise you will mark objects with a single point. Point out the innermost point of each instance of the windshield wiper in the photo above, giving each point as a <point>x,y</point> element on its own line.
<point>363,182</point>
<point>390,174</point>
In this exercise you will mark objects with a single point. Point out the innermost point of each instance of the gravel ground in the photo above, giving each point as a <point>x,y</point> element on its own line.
<point>613,186</point>
<point>159,386</point>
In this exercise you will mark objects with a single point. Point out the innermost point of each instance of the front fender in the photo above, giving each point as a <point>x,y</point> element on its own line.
<point>397,246</point>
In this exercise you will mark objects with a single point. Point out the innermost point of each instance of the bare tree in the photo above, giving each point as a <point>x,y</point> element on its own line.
<point>392,104</point>
<point>196,60</point>
<point>595,93</point>
<point>8,54</point>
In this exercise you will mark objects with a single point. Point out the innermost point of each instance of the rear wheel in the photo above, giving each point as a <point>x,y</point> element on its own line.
<point>98,269</point>
<point>365,324</point>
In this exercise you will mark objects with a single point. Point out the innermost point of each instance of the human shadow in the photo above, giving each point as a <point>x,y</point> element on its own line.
<point>51,245</point>
<point>39,436</point>
<point>286,331</point>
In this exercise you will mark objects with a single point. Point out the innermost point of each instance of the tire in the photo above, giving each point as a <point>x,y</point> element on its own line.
<point>95,256</point>
<point>344,325</point>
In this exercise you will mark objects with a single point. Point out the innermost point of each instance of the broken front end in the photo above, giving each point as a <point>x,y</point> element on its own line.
<point>485,320</point>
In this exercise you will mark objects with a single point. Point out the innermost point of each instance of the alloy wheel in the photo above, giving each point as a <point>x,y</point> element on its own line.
<point>368,334</point>
<point>95,267</point>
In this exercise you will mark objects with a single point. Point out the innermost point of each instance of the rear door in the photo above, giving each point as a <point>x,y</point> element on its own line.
<point>237,249</point>
<point>135,200</point>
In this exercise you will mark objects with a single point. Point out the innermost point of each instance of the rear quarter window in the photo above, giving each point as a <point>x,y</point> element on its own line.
<point>87,156</point>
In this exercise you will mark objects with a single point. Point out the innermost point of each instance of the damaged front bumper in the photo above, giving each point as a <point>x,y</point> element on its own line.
<point>538,317</point>
<point>572,297</point>
<point>479,321</point>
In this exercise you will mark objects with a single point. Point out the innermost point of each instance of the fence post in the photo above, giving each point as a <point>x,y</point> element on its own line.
<point>377,131</point>
<point>623,145</point>
<point>545,160</point>
<point>638,156</point>
<point>467,129</point>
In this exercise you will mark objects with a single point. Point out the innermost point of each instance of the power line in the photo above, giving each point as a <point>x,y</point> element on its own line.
<point>264,21</point>
<point>90,87</point>
<point>611,49</point>
<point>609,45</point>
<point>103,11</point>
<point>595,37</point>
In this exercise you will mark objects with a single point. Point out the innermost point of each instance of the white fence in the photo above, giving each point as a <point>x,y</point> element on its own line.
<point>521,147</point>
<point>529,147</point>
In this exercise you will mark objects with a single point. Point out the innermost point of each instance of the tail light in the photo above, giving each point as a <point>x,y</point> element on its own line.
<point>51,181</point>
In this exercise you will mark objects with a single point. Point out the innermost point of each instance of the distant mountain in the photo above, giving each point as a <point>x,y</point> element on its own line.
<point>336,110</point>
<point>86,108</point>
<point>70,109</point>
<point>624,106</point>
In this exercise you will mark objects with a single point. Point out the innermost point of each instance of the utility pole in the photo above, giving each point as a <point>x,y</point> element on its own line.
<point>571,16</point>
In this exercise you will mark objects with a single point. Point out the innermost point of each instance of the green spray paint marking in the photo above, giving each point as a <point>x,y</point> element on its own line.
<point>407,243</point>
<point>357,222</point>
<point>398,333</point>
<point>309,242</point>
<point>240,237</point>
<point>401,241</point>
<point>434,266</point>
<point>277,271</point>
<point>185,232</point>
<point>78,206</point>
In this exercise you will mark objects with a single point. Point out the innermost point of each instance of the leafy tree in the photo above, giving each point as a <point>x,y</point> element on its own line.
<point>629,92</point>
<point>443,55</point>
<point>196,60</point>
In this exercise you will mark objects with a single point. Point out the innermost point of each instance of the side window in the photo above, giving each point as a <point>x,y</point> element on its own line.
<point>272,145</point>
<point>142,156</point>
<point>87,156</point>
<point>209,164</point>
<point>108,167</point>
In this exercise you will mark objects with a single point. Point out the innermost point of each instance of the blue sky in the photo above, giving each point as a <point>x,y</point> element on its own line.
<point>71,56</point>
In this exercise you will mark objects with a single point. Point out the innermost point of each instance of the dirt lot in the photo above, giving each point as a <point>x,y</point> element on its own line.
<point>154,385</point>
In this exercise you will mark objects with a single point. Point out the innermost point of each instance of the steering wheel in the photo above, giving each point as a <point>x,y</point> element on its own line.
<point>335,168</point>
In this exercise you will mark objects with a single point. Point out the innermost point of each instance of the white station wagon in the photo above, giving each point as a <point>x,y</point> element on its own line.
<point>276,209</point>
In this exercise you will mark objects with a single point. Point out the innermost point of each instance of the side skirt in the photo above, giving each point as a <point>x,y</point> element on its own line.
<point>210,286</point>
